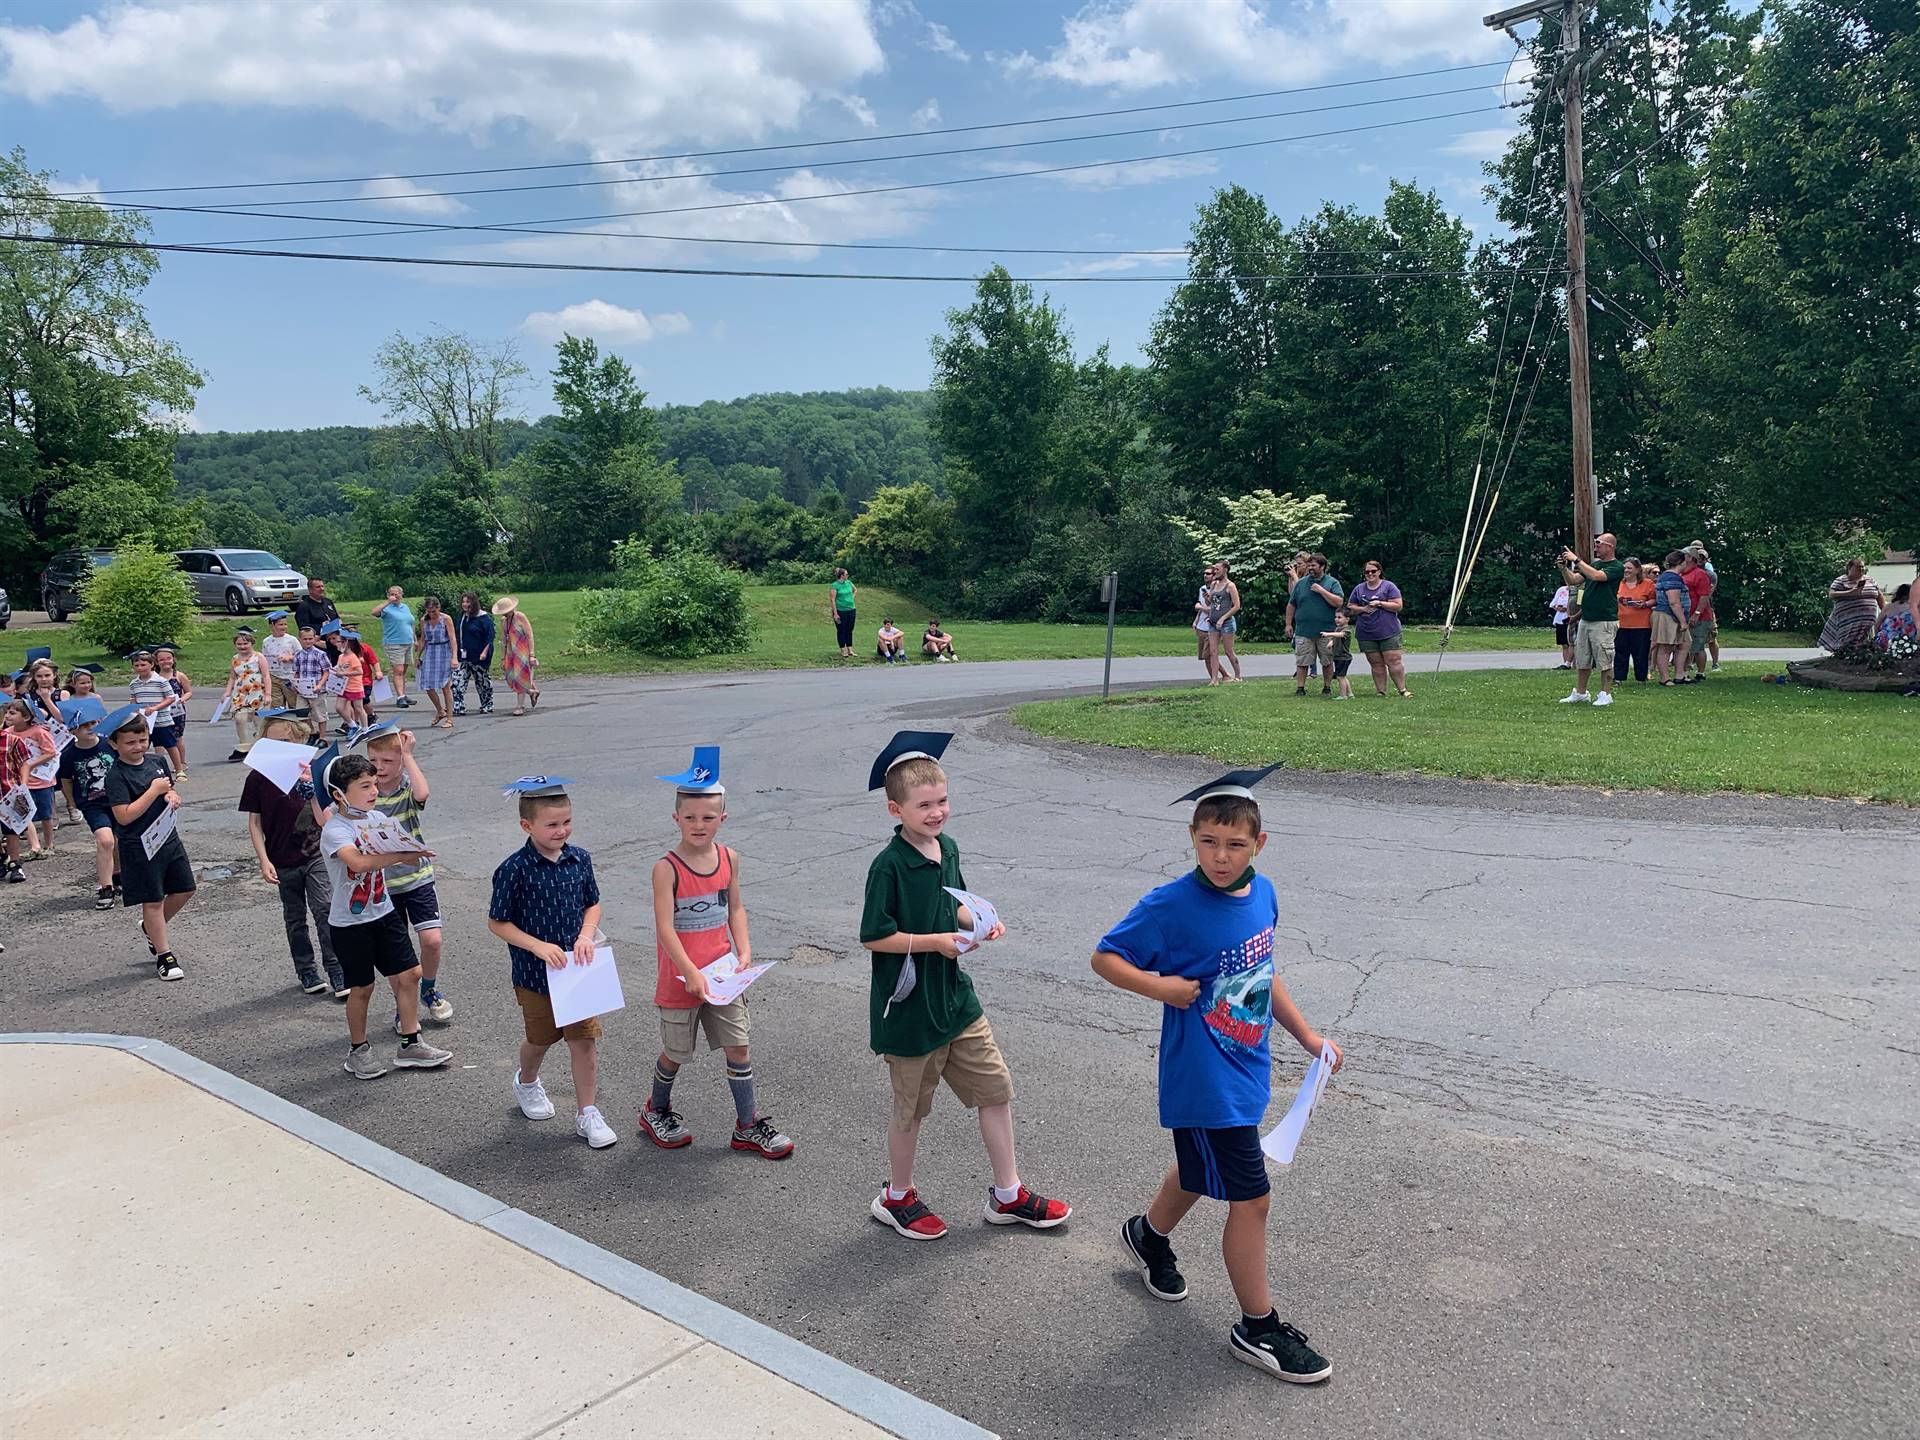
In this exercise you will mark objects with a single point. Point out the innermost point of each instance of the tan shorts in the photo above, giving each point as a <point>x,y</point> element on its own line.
<point>536,1017</point>
<point>399,657</point>
<point>1305,647</point>
<point>970,1063</point>
<point>282,696</point>
<point>680,1029</point>
<point>1667,630</point>
<point>1593,645</point>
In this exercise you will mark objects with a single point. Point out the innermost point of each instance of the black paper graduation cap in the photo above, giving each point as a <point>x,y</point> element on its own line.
<point>1234,782</point>
<point>283,712</point>
<point>92,669</point>
<point>702,777</point>
<point>535,785</point>
<point>140,651</point>
<point>908,745</point>
<point>39,652</point>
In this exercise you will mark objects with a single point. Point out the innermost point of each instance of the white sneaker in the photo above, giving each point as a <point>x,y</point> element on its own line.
<point>1605,697</point>
<point>534,1103</point>
<point>592,1127</point>
<point>1578,697</point>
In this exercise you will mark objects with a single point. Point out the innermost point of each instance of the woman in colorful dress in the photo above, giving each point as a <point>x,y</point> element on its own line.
<point>433,647</point>
<point>517,660</point>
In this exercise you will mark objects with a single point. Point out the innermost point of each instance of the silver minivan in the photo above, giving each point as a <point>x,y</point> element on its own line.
<point>237,581</point>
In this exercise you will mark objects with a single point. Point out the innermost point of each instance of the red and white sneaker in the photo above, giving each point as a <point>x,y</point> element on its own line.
<point>1027,1208</point>
<point>664,1127</point>
<point>908,1216</point>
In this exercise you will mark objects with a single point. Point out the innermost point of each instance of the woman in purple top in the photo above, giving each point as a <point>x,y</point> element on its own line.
<point>1375,605</point>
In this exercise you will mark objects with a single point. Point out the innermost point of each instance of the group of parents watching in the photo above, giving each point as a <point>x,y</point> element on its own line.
<point>1323,621</point>
<point>1862,614</point>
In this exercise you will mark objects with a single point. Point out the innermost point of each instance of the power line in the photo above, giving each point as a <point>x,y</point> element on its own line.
<point>92,242</point>
<point>794,145</point>
<point>521,226</point>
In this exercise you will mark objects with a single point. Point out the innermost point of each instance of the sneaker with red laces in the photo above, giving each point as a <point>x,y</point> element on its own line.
<point>908,1216</point>
<point>1027,1208</point>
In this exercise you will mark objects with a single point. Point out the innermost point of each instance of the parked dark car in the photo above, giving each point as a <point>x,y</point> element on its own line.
<point>60,582</point>
<point>237,581</point>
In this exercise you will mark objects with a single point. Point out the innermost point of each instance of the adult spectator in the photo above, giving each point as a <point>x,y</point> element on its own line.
<point>1375,605</point>
<point>1633,642</point>
<point>841,609</point>
<point>937,643</point>
<point>1560,607</point>
<point>314,610</point>
<point>1900,620</point>
<point>518,663</point>
<point>437,644</point>
<point>1223,618</point>
<point>1311,605</point>
<point>1699,550</point>
<point>1599,619</point>
<point>396,641</point>
<point>1203,627</point>
<point>1856,606</point>
<point>1670,638</point>
<point>475,629</point>
<point>1693,570</point>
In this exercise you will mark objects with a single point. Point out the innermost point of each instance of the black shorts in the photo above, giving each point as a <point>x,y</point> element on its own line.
<point>165,736</point>
<point>1560,632</point>
<point>148,882</point>
<point>1225,1164</point>
<point>97,816</point>
<point>420,906</point>
<point>373,947</point>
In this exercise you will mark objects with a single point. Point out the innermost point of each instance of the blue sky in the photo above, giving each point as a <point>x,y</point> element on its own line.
<point>195,92</point>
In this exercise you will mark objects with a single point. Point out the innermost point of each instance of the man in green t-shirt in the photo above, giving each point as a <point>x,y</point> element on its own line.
<point>1599,618</point>
<point>1311,605</point>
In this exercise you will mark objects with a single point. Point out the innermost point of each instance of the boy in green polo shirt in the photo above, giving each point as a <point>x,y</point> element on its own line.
<point>925,1021</point>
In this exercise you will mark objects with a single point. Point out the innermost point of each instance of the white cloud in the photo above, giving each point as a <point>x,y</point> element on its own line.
<point>859,109</point>
<point>407,198</point>
<point>601,320</point>
<point>927,116</point>
<point>1140,44</point>
<point>619,72</point>
<point>940,40</point>
<point>1480,144</point>
<point>1115,177</point>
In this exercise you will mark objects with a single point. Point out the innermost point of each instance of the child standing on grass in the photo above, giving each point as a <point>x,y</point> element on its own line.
<point>546,906</point>
<point>285,833</point>
<point>1342,651</point>
<point>165,666</point>
<point>1203,947</point>
<point>369,935</point>
<point>140,796</point>
<point>83,777</point>
<point>403,798</point>
<point>698,916</point>
<point>246,692</point>
<point>924,1018</point>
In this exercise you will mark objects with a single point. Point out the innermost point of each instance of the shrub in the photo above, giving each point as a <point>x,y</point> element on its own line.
<point>142,597</point>
<point>797,572</point>
<point>685,605</point>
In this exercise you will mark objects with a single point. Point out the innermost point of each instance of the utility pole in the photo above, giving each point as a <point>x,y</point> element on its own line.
<point>1586,498</point>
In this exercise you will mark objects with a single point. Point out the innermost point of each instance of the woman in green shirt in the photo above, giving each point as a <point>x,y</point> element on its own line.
<point>842,611</point>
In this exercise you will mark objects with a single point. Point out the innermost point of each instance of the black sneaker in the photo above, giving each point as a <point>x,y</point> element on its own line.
<point>167,968</point>
<point>313,985</point>
<point>103,898</point>
<point>15,875</point>
<point>1154,1255</point>
<point>1282,1353</point>
<point>1299,689</point>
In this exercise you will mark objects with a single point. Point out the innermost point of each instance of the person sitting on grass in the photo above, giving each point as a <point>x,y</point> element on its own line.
<point>937,643</point>
<point>893,643</point>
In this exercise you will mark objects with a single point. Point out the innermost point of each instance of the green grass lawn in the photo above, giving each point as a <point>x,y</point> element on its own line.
<point>1730,733</point>
<point>792,632</point>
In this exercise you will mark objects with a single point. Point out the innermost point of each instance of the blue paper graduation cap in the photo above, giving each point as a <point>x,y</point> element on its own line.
<point>92,669</point>
<point>87,710</point>
<point>18,675</point>
<point>273,615</point>
<point>1234,782</point>
<point>332,627</point>
<point>908,745</point>
<point>374,732</point>
<point>39,652</point>
<point>702,777</point>
<point>120,719</point>
<point>536,785</point>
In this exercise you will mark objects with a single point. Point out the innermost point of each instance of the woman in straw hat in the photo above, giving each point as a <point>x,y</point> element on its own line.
<point>517,658</point>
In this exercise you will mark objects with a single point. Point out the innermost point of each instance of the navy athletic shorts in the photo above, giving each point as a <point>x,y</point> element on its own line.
<point>1225,1164</point>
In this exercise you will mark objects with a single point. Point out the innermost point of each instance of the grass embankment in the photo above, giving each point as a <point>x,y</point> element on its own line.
<point>792,632</point>
<point>1731,733</point>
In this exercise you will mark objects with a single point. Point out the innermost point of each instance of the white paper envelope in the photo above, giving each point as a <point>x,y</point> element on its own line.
<point>382,691</point>
<point>220,710</point>
<point>580,992</point>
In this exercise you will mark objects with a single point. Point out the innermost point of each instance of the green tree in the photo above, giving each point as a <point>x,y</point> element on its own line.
<point>93,396</point>
<point>903,535</point>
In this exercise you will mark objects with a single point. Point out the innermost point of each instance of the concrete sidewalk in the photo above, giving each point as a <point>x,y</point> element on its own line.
<point>188,1255</point>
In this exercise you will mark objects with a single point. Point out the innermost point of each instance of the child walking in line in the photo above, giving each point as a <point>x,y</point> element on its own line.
<point>16,755</point>
<point>285,830</point>
<point>924,1018</point>
<point>166,667</point>
<point>403,798</point>
<point>81,682</point>
<point>37,770</point>
<point>1203,947</point>
<point>311,667</point>
<point>698,916</point>
<point>351,672</point>
<point>83,778</point>
<point>546,906</point>
<point>246,692</point>
<point>278,649</point>
<point>141,798</point>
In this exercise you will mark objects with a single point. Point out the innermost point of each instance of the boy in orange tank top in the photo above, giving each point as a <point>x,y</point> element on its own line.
<point>698,916</point>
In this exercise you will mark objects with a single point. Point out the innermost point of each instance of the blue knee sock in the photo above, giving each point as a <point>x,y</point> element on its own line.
<point>740,1081</point>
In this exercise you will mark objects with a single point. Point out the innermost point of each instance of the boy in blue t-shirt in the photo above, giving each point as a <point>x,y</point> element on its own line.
<point>1203,947</point>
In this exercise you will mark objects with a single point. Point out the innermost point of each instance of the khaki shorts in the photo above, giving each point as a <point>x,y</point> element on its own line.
<point>1305,647</point>
<point>1593,645</point>
<point>399,657</point>
<point>1667,630</point>
<point>970,1063</point>
<point>680,1029</point>
<point>536,1018</point>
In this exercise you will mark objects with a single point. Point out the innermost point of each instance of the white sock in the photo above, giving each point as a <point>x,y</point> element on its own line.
<point>1149,1224</point>
<point>1007,1196</point>
<point>893,1194</point>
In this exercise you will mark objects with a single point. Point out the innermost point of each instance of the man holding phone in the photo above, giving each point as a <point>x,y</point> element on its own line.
<point>1599,619</point>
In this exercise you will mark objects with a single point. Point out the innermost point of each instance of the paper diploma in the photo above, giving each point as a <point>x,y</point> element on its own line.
<point>580,992</point>
<point>1281,1141</point>
<point>985,917</point>
<point>727,982</point>
<point>161,831</point>
<point>279,761</point>
<point>220,710</point>
<point>382,691</point>
<point>16,809</point>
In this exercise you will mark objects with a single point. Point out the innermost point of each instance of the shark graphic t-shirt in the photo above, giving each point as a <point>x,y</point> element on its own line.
<point>1215,1066</point>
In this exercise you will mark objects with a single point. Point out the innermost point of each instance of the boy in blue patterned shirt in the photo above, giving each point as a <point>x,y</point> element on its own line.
<point>546,906</point>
